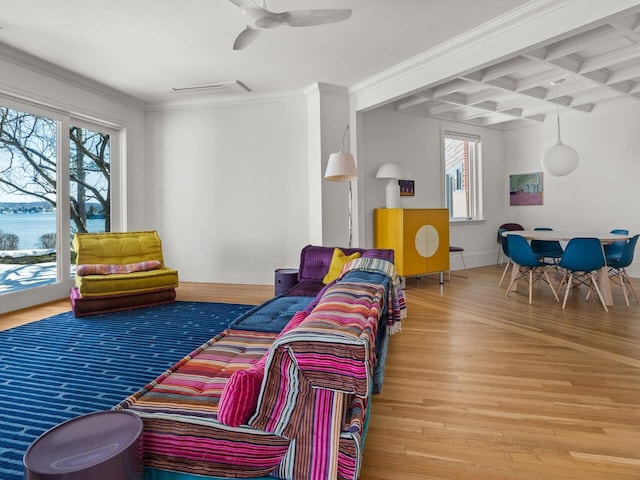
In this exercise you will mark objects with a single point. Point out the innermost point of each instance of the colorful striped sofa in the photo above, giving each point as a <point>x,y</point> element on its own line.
<point>288,405</point>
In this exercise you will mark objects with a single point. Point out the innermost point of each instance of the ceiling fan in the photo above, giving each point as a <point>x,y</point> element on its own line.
<point>260,18</point>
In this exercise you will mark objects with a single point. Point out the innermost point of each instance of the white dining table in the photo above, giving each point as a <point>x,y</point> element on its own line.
<point>564,236</point>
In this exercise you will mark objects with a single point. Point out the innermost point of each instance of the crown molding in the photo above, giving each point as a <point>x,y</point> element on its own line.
<point>327,89</point>
<point>31,62</point>
<point>214,101</point>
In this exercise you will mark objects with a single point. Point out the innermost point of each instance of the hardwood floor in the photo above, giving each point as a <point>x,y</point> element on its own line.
<point>483,386</point>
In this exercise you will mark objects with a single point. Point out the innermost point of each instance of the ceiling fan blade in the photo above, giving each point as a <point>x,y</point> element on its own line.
<point>246,37</point>
<point>244,3</point>
<point>309,18</point>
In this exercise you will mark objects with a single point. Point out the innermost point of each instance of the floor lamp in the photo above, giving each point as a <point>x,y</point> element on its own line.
<point>342,168</point>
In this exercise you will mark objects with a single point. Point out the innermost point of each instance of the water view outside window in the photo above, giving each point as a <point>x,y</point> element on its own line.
<point>29,163</point>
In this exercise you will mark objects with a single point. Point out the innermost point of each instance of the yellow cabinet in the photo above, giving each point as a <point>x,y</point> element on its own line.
<point>419,237</point>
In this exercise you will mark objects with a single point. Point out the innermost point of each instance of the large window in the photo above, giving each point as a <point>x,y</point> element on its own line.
<point>462,175</point>
<point>55,181</point>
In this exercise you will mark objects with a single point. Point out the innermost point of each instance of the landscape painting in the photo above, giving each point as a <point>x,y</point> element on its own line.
<point>525,189</point>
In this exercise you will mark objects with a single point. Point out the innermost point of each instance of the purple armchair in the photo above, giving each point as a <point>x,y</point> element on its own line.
<point>314,265</point>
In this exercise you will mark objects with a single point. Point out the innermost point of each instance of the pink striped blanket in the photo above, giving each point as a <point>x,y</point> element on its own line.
<point>396,306</point>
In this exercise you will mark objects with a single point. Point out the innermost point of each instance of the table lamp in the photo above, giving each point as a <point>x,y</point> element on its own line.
<point>394,171</point>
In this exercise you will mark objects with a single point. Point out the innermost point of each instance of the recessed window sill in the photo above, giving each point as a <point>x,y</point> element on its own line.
<point>465,221</point>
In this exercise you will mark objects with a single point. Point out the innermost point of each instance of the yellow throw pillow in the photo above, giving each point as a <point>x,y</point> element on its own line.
<point>338,260</point>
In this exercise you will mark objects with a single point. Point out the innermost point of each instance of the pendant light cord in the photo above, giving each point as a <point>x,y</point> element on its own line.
<point>558,110</point>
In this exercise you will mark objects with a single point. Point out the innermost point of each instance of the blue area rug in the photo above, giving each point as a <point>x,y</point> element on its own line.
<point>62,367</point>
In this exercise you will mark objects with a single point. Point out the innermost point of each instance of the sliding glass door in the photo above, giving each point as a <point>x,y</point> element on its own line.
<point>55,181</point>
<point>90,179</point>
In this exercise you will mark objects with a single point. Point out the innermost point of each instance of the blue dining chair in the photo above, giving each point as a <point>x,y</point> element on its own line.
<point>550,249</point>
<point>582,257</point>
<point>530,267</point>
<point>613,251</point>
<point>617,267</point>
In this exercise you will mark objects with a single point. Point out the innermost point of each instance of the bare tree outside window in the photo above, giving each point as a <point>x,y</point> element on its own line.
<point>28,155</point>
<point>28,151</point>
<point>30,213</point>
<point>90,173</point>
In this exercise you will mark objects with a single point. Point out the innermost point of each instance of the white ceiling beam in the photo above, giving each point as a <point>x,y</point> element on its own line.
<point>503,69</point>
<point>613,102</point>
<point>596,95</point>
<point>623,75</point>
<point>513,112</point>
<point>502,83</point>
<point>456,98</point>
<point>580,42</point>
<point>414,100</point>
<point>470,114</point>
<point>540,79</point>
<point>629,32</point>
<point>569,64</point>
<point>474,111</point>
<point>449,114</point>
<point>490,94</point>
<point>608,59</point>
<point>444,107</point>
<point>449,87</point>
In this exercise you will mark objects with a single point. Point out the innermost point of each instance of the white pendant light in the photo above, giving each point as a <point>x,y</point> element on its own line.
<point>561,159</point>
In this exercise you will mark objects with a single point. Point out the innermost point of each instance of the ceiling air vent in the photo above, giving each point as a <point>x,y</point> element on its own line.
<point>211,89</point>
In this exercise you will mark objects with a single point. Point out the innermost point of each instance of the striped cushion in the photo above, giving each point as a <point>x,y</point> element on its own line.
<point>240,395</point>
<point>110,269</point>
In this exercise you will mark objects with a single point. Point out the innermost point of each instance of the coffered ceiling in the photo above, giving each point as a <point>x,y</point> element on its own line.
<point>593,69</point>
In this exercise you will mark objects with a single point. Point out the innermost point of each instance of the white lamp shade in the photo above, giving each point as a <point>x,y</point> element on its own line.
<point>393,170</point>
<point>341,168</point>
<point>560,160</point>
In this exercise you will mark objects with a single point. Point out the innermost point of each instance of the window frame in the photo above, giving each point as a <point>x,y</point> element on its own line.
<point>27,297</point>
<point>475,194</point>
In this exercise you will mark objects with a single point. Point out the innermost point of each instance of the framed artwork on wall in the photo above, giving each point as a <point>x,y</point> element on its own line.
<point>407,188</point>
<point>525,189</point>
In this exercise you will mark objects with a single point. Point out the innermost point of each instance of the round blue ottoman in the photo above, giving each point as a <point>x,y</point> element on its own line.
<point>98,446</point>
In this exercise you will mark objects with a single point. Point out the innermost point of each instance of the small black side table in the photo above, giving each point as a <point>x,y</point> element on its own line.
<point>285,279</point>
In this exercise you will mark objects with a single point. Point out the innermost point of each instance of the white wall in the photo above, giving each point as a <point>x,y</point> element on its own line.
<point>415,142</point>
<point>229,192</point>
<point>602,193</point>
